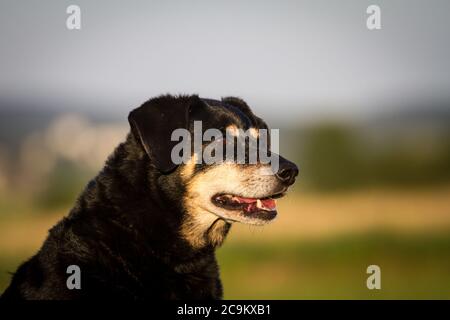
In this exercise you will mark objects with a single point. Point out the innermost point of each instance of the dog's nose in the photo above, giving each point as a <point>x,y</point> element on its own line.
<point>287,172</point>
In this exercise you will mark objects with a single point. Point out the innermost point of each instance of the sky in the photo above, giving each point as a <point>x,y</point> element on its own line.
<point>291,59</point>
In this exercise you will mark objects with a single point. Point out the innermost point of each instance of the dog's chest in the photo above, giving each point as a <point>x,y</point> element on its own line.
<point>182,286</point>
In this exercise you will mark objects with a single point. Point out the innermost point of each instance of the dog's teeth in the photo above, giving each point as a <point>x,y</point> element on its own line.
<point>259,204</point>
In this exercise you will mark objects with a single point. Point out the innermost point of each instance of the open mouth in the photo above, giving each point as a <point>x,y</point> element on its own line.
<point>257,208</point>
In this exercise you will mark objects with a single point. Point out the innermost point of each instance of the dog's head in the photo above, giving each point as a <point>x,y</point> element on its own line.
<point>211,195</point>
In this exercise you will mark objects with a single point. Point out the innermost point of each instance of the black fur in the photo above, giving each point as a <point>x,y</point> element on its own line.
<point>123,231</point>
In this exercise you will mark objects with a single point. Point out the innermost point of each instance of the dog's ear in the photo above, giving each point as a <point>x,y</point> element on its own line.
<point>153,123</point>
<point>243,106</point>
<point>238,103</point>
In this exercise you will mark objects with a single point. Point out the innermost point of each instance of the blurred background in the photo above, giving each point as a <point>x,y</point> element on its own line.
<point>365,114</point>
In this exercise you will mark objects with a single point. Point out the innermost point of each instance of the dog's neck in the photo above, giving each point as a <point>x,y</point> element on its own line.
<point>125,194</point>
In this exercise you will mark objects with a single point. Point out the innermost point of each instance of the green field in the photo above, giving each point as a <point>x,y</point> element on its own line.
<point>412,267</point>
<point>318,247</point>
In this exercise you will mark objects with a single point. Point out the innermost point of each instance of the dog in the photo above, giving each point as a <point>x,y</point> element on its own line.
<point>147,228</point>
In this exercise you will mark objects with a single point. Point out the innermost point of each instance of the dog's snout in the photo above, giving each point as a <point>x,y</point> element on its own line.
<point>287,172</point>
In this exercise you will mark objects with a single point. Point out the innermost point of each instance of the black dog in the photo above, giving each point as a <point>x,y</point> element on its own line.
<point>146,227</point>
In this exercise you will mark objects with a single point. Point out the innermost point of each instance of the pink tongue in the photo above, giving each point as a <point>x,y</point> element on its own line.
<point>269,203</point>
<point>246,200</point>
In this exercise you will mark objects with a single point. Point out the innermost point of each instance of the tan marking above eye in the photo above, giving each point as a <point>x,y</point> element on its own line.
<point>254,132</point>
<point>233,130</point>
